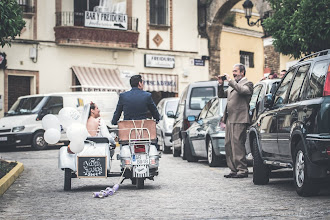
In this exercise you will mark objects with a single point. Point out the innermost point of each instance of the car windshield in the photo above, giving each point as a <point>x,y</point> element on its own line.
<point>26,106</point>
<point>171,106</point>
<point>200,96</point>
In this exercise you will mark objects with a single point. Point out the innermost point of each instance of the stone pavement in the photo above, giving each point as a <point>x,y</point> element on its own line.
<point>182,191</point>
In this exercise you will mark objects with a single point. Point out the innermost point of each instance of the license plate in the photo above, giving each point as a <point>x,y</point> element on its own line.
<point>3,138</point>
<point>141,159</point>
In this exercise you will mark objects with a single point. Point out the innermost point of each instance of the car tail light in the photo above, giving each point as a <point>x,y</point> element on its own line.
<point>328,151</point>
<point>186,124</point>
<point>326,90</point>
<point>139,148</point>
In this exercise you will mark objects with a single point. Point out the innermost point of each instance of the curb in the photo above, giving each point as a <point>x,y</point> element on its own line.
<point>9,178</point>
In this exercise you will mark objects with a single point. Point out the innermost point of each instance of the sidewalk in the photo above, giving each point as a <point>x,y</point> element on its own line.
<point>9,178</point>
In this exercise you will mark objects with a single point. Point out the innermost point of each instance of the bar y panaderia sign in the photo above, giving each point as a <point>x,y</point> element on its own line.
<point>105,20</point>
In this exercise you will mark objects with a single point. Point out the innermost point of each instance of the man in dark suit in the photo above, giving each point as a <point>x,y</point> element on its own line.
<point>135,103</point>
<point>237,119</point>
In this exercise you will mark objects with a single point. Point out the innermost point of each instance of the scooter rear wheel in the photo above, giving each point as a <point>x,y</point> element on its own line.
<point>140,183</point>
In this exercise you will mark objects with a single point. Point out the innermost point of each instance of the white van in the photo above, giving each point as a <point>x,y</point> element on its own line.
<point>22,124</point>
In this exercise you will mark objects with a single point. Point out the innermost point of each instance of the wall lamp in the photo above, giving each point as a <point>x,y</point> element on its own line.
<point>248,5</point>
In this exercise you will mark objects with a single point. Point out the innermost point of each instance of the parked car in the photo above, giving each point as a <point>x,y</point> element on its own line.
<point>193,99</point>
<point>205,138</point>
<point>294,131</point>
<point>260,90</point>
<point>166,108</point>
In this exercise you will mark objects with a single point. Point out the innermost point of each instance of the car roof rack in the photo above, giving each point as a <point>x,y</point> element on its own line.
<point>317,54</point>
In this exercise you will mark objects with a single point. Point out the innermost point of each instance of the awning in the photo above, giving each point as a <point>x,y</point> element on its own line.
<point>100,79</point>
<point>160,82</point>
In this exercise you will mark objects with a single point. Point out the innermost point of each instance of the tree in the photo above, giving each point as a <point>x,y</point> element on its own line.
<point>11,21</point>
<point>299,27</point>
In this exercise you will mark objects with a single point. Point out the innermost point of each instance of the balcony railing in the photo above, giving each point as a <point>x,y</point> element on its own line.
<point>78,19</point>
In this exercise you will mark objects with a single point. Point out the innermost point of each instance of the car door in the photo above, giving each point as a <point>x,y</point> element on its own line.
<point>288,114</point>
<point>197,132</point>
<point>268,121</point>
<point>254,105</point>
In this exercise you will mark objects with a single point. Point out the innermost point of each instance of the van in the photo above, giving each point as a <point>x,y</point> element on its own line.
<point>22,124</point>
<point>192,101</point>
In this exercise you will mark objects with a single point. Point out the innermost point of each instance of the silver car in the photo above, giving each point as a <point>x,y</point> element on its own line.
<point>166,108</point>
<point>205,138</point>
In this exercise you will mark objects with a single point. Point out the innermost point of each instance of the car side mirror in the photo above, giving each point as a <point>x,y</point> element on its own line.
<point>191,118</point>
<point>268,100</point>
<point>170,114</point>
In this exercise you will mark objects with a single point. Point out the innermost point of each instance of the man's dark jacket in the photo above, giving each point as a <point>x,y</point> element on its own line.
<point>135,104</point>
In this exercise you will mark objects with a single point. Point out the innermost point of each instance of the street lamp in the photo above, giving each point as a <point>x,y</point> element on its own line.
<point>248,5</point>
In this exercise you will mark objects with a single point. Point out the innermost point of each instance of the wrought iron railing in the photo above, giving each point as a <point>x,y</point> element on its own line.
<point>69,18</point>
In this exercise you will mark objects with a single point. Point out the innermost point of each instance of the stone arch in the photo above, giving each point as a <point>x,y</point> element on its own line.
<point>216,11</point>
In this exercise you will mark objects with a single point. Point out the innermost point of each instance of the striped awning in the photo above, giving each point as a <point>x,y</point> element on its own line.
<point>160,82</point>
<point>100,79</point>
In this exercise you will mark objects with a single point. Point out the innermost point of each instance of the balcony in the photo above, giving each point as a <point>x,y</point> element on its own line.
<point>70,30</point>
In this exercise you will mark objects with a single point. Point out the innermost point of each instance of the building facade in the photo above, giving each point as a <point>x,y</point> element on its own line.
<point>96,45</point>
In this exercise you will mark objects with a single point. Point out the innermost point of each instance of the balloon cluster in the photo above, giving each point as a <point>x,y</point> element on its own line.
<point>69,118</point>
<point>107,192</point>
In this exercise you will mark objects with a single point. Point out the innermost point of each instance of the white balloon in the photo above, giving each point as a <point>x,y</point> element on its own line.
<point>77,132</point>
<point>76,146</point>
<point>68,115</point>
<point>52,135</point>
<point>51,121</point>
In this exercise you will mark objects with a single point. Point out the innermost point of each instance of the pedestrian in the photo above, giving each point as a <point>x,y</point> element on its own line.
<point>135,103</point>
<point>237,119</point>
<point>282,73</point>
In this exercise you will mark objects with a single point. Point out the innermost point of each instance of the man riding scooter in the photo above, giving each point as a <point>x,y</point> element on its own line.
<point>139,154</point>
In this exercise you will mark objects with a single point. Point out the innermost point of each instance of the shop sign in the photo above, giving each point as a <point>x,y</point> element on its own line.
<point>159,61</point>
<point>105,20</point>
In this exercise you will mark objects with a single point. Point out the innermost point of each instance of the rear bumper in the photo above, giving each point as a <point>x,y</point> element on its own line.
<point>15,139</point>
<point>318,151</point>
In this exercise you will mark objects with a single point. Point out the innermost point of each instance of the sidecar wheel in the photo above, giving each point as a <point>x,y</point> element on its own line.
<point>139,183</point>
<point>67,179</point>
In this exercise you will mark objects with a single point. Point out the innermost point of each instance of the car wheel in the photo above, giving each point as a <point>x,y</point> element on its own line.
<point>183,152</point>
<point>260,170</point>
<point>304,185</point>
<point>175,152</point>
<point>188,152</point>
<point>165,148</point>
<point>67,179</point>
<point>38,141</point>
<point>212,159</point>
<point>139,183</point>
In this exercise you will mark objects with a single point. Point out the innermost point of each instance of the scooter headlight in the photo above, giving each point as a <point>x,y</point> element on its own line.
<point>18,129</point>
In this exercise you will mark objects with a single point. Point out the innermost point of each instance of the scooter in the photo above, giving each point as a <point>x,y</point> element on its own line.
<point>138,154</point>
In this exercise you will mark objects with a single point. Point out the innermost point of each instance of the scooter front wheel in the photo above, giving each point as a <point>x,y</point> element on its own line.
<point>140,183</point>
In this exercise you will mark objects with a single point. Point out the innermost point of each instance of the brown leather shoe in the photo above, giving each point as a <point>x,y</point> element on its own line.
<point>230,175</point>
<point>240,175</point>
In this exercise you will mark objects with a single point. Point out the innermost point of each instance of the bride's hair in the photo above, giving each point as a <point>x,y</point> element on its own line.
<point>92,106</point>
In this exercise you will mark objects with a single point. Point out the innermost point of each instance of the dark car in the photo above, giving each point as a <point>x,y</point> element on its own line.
<point>205,138</point>
<point>294,131</point>
<point>260,90</point>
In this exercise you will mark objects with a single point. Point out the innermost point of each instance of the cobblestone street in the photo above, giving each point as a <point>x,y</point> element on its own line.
<point>181,191</point>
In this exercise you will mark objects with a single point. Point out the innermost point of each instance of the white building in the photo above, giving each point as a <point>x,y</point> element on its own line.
<point>96,45</point>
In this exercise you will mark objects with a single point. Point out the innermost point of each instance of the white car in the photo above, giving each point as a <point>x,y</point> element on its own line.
<point>166,108</point>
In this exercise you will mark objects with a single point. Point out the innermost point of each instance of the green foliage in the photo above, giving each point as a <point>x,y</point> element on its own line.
<point>11,21</point>
<point>299,27</point>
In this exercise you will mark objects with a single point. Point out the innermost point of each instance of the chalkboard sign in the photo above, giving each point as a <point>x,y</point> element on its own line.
<point>89,166</point>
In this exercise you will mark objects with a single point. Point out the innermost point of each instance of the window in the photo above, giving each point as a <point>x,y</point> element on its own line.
<point>317,79</point>
<point>54,105</point>
<point>246,58</point>
<point>255,95</point>
<point>297,83</point>
<point>158,12</point>
<point>283,88</point>
<point>171,106</point>
<point>200,96</point>
<point>26,5</point>
<point>214,108</point>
